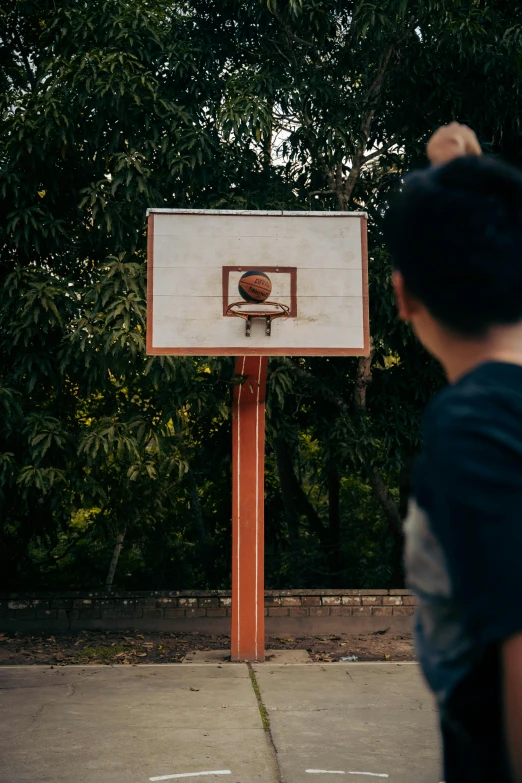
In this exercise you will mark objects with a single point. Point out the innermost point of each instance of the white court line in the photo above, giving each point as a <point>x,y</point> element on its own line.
<point>342,772</point>
<point>194,774</point>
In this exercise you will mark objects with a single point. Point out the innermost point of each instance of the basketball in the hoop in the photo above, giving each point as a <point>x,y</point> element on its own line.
<point>255,286</point>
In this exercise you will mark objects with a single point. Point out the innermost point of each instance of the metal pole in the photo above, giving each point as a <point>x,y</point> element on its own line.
<point>248,500</point>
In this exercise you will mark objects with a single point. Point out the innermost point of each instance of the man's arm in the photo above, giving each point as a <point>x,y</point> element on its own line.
<point>512,665</point>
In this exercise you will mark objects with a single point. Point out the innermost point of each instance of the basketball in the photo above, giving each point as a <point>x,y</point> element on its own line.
<point>255,286</point>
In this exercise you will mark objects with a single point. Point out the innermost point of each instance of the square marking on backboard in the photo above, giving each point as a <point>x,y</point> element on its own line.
<point>283,279</point>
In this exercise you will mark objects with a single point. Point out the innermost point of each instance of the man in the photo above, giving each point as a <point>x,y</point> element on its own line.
<point>455,233</point>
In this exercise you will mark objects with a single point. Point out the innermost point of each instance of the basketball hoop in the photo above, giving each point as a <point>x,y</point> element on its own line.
<point>186,316</point>
<point>266,310</point>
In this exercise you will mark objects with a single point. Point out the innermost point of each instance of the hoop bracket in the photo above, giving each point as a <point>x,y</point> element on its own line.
<point>250,310</point>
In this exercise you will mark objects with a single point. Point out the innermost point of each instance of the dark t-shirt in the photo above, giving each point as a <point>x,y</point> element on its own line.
<point>464,545</point>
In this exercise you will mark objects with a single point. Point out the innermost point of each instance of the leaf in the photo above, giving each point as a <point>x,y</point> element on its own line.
<point>131,105</point>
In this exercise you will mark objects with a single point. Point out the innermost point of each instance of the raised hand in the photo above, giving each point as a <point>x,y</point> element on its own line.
<point>452,141</point>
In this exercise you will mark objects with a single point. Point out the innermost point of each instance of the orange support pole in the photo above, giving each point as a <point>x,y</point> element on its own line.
<point>248,501</point>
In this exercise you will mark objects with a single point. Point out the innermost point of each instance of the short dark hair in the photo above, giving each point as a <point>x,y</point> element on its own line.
<point>455,234</point>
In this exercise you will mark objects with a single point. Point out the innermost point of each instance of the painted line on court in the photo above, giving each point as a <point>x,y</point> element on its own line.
<point>194,774</point>
<point>342,772</point>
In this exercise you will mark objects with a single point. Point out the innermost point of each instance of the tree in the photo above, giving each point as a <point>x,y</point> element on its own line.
<point>339,90</point>
<point>102,117</point>
<point>110,107</point>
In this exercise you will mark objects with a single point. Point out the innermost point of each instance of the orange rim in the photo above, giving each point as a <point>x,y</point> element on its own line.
<point>279,310</point>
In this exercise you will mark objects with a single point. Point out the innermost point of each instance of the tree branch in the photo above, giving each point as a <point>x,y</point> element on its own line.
<point>341,203</point>
<point>299,40</point>
<point>53,560</point>
<point>30,75</point>
<point>292,36</point>
<point>384,149</point>
<point>371,97</point>
<point>322,193</point>
<point>375,87</point>
<point>282,54</point>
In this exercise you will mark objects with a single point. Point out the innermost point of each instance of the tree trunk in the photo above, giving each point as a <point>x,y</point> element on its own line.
<point>294,497</point>
<point>206,551</point>
<point>377,483</point>
<point>383,495</point>
<point>195,506</point>
<point>266,141</point>
<point>405,486</point>
<point>115,557</point>
<point>286,480</point>
<point>334,525</point>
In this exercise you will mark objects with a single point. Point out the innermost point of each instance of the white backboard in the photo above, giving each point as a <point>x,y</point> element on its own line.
<point>316,261</point>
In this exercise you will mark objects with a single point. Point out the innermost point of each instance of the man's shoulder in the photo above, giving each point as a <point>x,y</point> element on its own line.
<point>489,397</point>
<point>473,434</point>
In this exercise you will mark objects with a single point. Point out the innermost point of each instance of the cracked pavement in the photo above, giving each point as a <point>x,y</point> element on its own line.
<point>377,718</point>
<point>126,724</point>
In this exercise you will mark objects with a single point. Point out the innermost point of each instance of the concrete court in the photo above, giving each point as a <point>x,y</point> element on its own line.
<point>123,724</point>
<point>376,718</point>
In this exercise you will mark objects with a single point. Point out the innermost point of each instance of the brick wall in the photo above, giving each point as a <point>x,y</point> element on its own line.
<point>293,610</point>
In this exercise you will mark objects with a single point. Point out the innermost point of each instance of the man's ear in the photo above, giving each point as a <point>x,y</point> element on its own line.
<point>406,303</point>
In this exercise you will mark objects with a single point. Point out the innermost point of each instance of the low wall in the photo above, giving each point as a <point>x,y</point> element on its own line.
<point>286,611</point>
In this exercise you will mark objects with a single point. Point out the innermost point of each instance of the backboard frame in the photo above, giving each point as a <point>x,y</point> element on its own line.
<point>290,270</point>
<point>248,350</point>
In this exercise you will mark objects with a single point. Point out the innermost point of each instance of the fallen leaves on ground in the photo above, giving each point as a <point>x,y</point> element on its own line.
<point>131,648</point>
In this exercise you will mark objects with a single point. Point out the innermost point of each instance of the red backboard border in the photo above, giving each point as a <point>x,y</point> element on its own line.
<point>291,270</point>
<point>152,351</point>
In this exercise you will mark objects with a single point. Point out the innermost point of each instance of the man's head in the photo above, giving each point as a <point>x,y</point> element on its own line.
<point>455,234</point>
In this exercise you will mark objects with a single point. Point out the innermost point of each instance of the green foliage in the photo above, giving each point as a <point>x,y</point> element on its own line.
<point>108,107</point>
<point>100,653</point>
